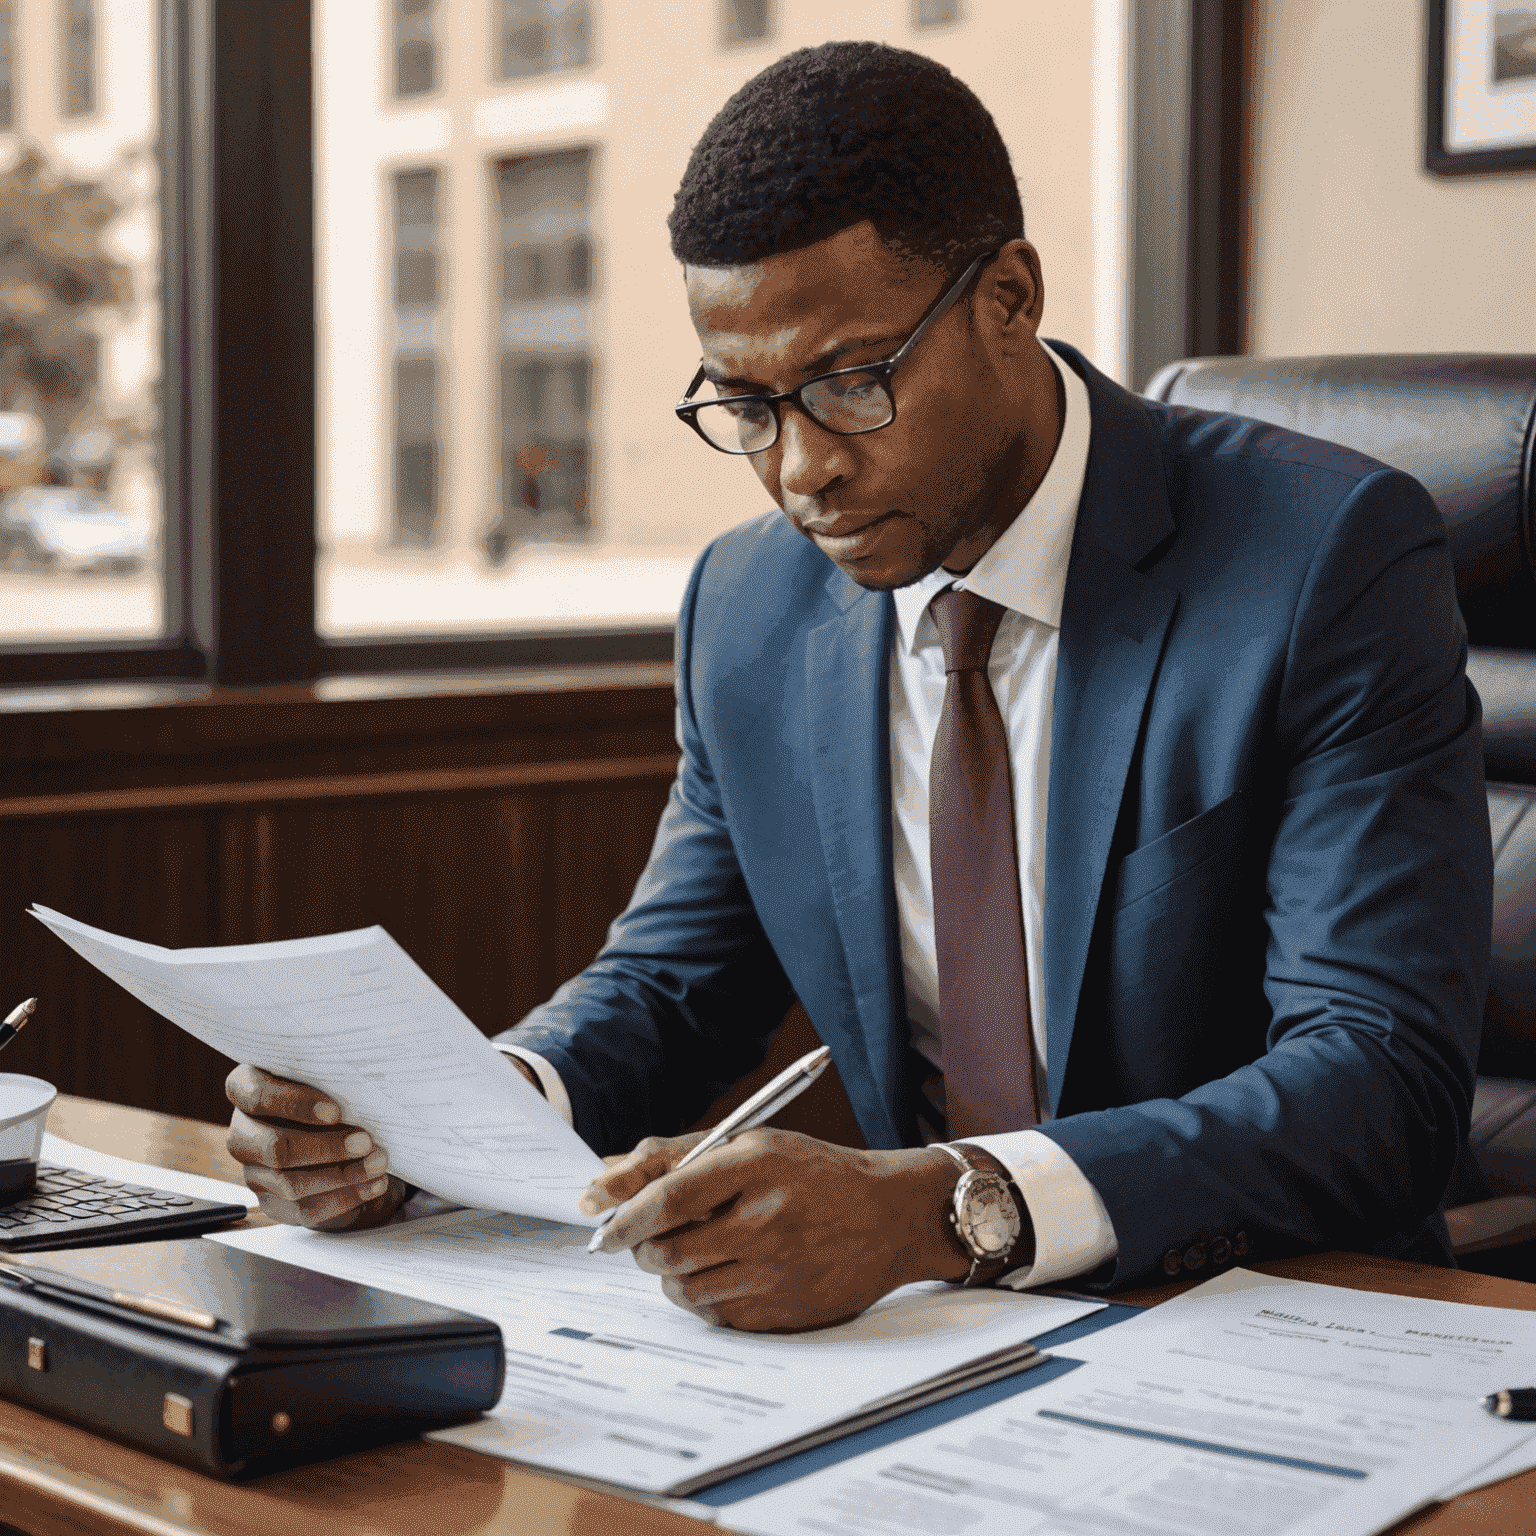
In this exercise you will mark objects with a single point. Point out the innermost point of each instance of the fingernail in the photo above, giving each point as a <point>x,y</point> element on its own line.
<point>376,1188</point>
<point>328,1112</point>
<point>358,1143</point>
<point>587,1206</point>
<point>376,1162</point>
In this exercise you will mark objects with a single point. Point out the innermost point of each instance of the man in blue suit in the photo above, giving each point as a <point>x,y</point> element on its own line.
<point>1220,996</point>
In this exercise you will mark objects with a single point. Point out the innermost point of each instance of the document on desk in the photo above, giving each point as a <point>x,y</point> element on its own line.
<point>1104,1450</point>
<point>354,1015</point>
<point>1358,1347</point>
<point>607,1379</point>
<point>1403,1348</point>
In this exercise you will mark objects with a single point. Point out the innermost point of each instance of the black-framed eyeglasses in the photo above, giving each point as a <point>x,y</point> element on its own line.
<point>848,401</point>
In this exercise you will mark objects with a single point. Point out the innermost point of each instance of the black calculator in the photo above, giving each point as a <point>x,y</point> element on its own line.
<point>70,1209</point>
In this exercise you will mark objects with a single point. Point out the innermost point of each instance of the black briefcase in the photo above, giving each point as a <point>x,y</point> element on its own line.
<point>233,1363</point>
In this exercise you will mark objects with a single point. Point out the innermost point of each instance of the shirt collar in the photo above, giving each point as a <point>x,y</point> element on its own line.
<point>1026,569</point>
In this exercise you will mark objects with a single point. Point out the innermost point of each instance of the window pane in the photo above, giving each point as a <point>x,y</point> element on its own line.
<point>540,35</point>
<point>935,13</point>
<point>744,21</point>
<point>80,480</point>
<point>415,47</point>
<point>502,330</point>
<point>7,65</point>
<point>77,57</point>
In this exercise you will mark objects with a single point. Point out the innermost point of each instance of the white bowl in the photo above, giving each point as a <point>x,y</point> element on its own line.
<point>24,1106</point>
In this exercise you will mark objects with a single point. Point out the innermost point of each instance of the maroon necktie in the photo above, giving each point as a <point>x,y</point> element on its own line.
<point>978,924</point>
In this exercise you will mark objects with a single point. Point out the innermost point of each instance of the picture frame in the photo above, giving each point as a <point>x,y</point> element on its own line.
<point>1480,86</point>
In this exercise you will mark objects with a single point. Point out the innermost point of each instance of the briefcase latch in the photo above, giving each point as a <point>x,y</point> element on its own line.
<point>37,1354</point>
<point>176,1414</point>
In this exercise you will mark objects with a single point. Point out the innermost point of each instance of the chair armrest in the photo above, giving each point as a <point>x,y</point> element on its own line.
<point>1495,1223</point>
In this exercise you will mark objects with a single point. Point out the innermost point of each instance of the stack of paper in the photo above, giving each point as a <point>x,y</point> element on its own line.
<point>607,1380</point>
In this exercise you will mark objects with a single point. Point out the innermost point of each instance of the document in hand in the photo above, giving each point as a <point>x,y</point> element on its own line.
<point>607,1380</point>
<point>354,1015</point>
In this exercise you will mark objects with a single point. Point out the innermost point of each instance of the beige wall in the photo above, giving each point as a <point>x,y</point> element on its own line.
<point>1356,248</point>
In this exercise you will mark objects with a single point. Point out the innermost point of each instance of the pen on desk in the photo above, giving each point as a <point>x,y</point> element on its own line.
<point>15,1019</point>
<point>763,1105</point>
<point>72,1286</point>
<point>1512,1403</point>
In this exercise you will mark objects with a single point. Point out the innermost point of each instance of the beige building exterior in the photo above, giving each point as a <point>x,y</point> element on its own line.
<point>653,76</point>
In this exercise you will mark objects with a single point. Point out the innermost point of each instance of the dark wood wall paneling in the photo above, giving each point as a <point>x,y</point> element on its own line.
<point>495,835</point>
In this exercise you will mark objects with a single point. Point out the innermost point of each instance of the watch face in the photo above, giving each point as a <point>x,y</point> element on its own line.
<point>991,1220</point>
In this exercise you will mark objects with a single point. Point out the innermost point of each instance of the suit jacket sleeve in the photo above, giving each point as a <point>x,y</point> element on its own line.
<point>1379,893</point>
<point>687,991</point>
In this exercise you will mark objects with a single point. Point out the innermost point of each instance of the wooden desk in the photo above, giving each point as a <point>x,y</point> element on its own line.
<point>56,1480</point>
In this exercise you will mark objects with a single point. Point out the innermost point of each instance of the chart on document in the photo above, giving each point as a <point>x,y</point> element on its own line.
<point>354,1015</point>
<point>608,1379</point>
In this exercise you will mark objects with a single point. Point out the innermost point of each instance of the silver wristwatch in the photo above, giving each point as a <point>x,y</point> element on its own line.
<point>985,1214</point>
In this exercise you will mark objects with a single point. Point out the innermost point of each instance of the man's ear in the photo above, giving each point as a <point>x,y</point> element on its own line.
<point>1012,294</point>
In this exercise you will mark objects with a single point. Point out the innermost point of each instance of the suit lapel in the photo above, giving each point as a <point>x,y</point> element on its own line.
<point>847,705</point>
<point>1113,622</point>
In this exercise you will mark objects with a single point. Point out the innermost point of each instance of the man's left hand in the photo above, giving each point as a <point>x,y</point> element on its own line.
<point>779,1232</point>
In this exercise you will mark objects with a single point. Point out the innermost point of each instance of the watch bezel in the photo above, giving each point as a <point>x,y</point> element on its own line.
<point>967,1216</point>
<point>986,1265</point>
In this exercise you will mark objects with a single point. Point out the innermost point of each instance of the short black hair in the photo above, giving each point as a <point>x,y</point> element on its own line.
<point>828,137</point>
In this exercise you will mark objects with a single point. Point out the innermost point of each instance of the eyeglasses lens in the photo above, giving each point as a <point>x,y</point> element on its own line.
<point>737,426</point>
<point>848,402</point>
<point>845,402</point>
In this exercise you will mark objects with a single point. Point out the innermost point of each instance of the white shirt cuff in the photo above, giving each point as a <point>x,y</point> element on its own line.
<point>1073,1232</point>
<point>549,1080</point>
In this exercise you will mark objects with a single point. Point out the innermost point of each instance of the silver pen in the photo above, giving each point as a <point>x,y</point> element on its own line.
<point>763,1105</point>
<point>15,1019</point>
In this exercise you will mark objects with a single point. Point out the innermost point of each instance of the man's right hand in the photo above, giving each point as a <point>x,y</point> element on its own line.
<point>304,1167</point>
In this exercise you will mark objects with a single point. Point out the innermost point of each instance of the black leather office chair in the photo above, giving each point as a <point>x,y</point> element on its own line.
<point>1464,426</point>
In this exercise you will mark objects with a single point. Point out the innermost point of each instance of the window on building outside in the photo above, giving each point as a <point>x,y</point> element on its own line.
<point>417,451</point>
<point>935,13</point>
<point>77,57</point>
<point>415,47</point>
<point>546,365</point>
<point>7,65</point>
<point>535,36</point>
<point>745,21</point>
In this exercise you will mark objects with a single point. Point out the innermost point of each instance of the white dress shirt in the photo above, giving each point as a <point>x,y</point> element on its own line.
<point>1025,571</point>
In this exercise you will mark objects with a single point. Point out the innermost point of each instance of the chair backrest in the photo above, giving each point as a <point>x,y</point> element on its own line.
<point>1465,426</point>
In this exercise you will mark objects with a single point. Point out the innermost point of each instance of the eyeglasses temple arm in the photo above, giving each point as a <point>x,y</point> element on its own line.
<point>938,312</point>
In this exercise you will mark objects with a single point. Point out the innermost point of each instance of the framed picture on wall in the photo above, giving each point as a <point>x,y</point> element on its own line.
<point>1480,94</point>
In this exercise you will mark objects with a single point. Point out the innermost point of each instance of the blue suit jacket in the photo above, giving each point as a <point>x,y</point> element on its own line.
<point>1268,874</point>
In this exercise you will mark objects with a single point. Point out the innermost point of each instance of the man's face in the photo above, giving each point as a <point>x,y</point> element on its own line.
<point>937,485</point>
